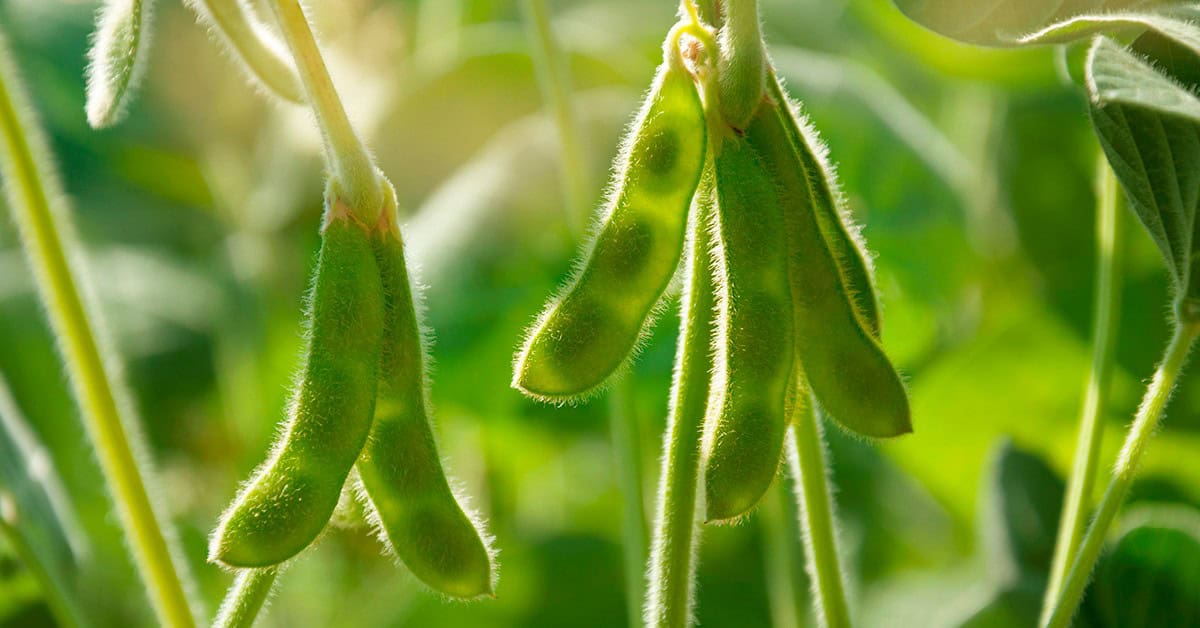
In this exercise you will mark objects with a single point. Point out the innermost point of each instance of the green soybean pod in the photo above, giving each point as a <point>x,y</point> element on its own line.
<point>416,512</point>
<point>292,496</point>
<point>588,332</point>
<point>116,59</point>
<point>841,359</point>
<point>755,336</point>
<point>836,225</point>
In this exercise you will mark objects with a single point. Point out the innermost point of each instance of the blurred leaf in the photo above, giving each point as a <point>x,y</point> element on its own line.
<point>35,513</point>
<point>1148,123</point>
<point>1151,577</point>
<point>1015,607</point>
<point>1019,514</point>
<point>1004,22</point>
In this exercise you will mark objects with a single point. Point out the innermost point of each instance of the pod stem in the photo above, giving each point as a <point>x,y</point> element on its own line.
<point>245,598</point>
<point>553,74</point>
<point>49,242</point>
<point>627,458</point>
<point>806,457</point>
<point>356,180</point>
<point>1140,432</point>
<point>1105,313</point>
<point>671,574</point>
<point>787,593</point>
<point>257,49</point>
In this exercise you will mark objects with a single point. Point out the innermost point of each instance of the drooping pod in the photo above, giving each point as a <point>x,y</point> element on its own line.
<point>116,59</point>
<point>419,518</point>
<point>292,496</point>
<point>587,333</point>
<point>836,344</point>
<point>754,375</point>
<point>843,237</point>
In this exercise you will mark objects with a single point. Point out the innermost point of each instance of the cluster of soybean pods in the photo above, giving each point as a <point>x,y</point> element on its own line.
<point>779,314</point>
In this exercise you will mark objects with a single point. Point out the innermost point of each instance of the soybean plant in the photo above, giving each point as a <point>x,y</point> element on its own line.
<point>778,310</point>
<point>361,399</point>
<point>1146,116</point>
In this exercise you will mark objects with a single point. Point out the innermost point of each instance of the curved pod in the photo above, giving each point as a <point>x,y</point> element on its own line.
<point>420,519</point>
<point>588,332</point>
<point>291,497</point>
<point>840,357</point>
<point>755,335</point>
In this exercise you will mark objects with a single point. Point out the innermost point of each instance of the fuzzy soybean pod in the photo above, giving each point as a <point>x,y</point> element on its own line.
<point>843,237</point>
<point>291,497</point>
<point>841,359</point>
<point>417,513</point>
<point>117,59</point>
<point>754,336</point>
<point>588,332</point>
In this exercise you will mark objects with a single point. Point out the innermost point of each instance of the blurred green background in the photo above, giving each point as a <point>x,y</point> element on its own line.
<point>970,169</point>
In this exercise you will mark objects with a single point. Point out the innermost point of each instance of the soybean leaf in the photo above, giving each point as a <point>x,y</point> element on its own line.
<point>1177,23</point>
<point>1147,118</point>
<point>1151,577</point>
<point>1004,22</point>
<point>1019,514</point>
<point>1011,607</point>
<point>35,514</point>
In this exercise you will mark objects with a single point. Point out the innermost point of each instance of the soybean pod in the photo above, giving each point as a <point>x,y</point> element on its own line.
<point>417,513</point>
<point>840,357</point>
<point>291,497</point>
<point>588,333</point>
<point>754,336</point>
<point>837,227</point>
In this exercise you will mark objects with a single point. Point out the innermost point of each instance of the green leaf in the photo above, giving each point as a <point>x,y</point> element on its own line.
<point>1147,118</point>
<point>1176,23</point>
<point>1004,22</point>
<point>35,514</point>
<point>1014,607</point>
<point>1019,514</point>
<point>1151,577</point>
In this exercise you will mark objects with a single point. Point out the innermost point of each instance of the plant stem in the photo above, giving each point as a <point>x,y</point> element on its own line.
<point>806,455</point>
<point>50,246</point>
<point>786,593</point>
<point>245,598</point>
<point>553,76</point>
<point>627,456</point>
<point>251,45</point>
<point>1106,309</point>
<point>677,521</point>
<point>1144,424</point>
<point>355,178</point>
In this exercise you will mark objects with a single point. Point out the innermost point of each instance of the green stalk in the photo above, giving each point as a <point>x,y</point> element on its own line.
<point>49,241</point>
<point>245,598</point>
<point>671,579</point>
<point>355,179</point>
<point>553,77</point>
<point>806,456</point>
<point>250,44</point>
<point>1144,424</point>
<point>627,458</point>
<point>785,592</point>
<point>1106,309</point>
